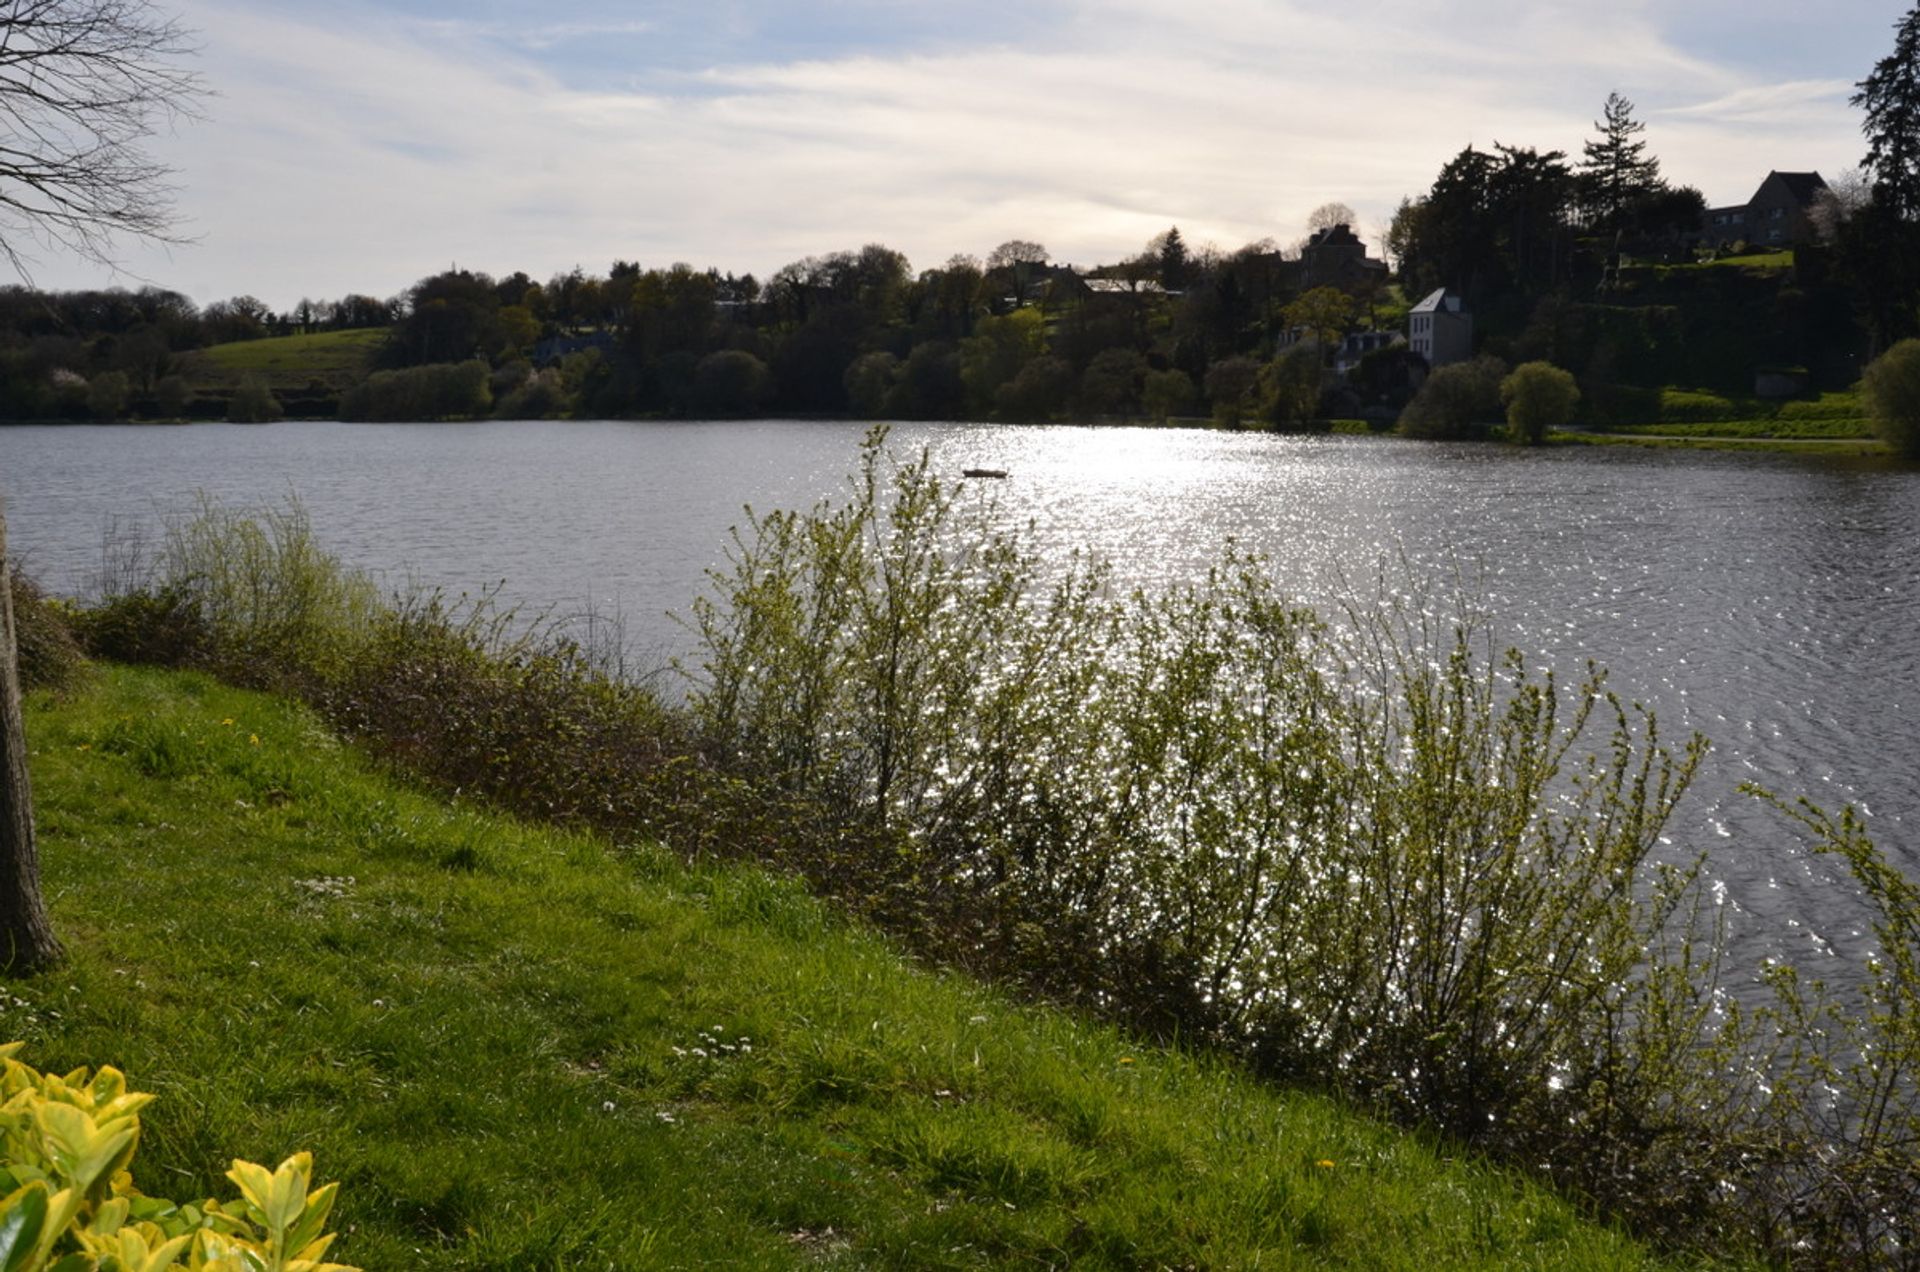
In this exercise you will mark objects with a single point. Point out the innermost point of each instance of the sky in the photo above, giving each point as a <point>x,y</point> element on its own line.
<point>360,145</point>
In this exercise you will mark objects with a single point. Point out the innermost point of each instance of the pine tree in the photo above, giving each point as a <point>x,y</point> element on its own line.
<point>1617,172</point>
<point>1891,98</point>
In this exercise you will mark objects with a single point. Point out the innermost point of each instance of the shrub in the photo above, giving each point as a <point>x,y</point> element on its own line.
<point>1828,406</point>
<point>1686,406</point>
<point>107,396</point>
<point>539,396</point>
<point>1112,381</point>
<point>170,396</point>
<point>1891,390</point>
<point>247,593</point>
<point>1457,401</point>
<point>1231,385</point>
<point>1040,391</point>
<point>49,652</point>
<point>869,383</point>
<point>1539,396</point>
<point>1290,387</point>
<point>253,402</point>
<point>1167,393</point>
<point>70,1204</point>
<point>728,383</point>
<point>438,391</point>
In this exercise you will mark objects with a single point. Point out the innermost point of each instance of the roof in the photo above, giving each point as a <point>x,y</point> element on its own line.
<point>1802,185</point>
<point>1334,236</point>
<point>1441,301</point>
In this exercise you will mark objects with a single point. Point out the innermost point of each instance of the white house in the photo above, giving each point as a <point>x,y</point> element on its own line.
<point>1440,329</point>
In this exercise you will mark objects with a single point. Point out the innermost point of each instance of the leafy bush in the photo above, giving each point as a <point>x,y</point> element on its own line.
<point>1457,401</point>
<point>1539,396</point>
<point>1828,406</point>
<point>1231,386</point>
<point>107,396</point>
<point>1891,390</point>
<point>1685,406</point>
<point>249,593</point>
<point>1166,393</point>
<point>253,402</point>
<point>438,391</point>
<point>70,1205</point>
<point>1290,387</point>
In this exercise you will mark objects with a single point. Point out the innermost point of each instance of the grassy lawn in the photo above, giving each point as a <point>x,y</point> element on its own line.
<point>522,1048</point>
<point>335,359</point>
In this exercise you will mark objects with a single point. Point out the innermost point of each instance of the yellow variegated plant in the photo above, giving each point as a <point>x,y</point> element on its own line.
<point>70,1205</point>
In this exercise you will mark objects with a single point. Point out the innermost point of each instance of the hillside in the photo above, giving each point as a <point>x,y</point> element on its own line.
<point>522,1048</point>
<point>333,360</point>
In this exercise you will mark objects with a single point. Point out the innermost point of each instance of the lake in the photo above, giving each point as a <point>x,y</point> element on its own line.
<point>1770,601</point>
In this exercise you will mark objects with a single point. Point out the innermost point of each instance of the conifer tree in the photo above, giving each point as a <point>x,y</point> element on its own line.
<point>1890,96</point>
<point>1617,172</point>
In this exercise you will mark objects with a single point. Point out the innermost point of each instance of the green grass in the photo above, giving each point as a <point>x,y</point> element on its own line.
<point>1758,260</point>
<point>1842,429</point>
<point>335,359</point>
<point>523,1048</point>
<point>1659,436</point>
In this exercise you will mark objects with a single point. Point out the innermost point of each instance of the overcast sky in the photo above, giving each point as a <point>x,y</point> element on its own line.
<point>358,145</point>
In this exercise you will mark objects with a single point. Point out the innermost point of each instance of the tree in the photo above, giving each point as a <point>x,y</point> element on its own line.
<point>1539,396</point>
<point>1328,215</point>
<point>83,84</point>
<point>1890,96</point>
<point>1017,262</point>
<point>1617,172</point>
<point>1879,245</point>
<point>1891,387</point>
<point>26,935</point>
<point>1166,393</point>
<point>1456,401</point>
<point>1230,386</point>
<point>1325,313</point>
<point>1290,388</point>
<point>1170,259</point>
<point>1111,383</point>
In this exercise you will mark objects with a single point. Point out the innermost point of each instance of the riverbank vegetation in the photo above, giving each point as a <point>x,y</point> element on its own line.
<point>527,1047</point>
<point>1374,857</point>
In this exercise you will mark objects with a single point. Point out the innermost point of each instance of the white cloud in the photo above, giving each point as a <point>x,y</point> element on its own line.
<point>361,155</point>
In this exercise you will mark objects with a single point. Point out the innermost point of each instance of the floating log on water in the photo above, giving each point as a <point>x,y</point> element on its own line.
<point>983,472</point>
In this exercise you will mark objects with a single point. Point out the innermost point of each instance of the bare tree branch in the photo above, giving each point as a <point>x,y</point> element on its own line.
<point>83,85</point>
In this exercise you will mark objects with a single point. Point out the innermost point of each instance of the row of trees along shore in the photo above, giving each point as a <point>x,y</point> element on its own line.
<point>1593,265</point>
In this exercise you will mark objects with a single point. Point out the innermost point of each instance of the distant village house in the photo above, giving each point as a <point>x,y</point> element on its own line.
<point>1335,257</point>
<point>1775,216</point>
<point>1440,329</point>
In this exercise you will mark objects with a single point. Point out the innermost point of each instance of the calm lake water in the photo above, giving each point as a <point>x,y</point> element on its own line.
<point>1771,602</point>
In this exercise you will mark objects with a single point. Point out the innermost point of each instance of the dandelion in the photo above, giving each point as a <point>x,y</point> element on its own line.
<point>228,722</point>
<point>253,739</point>
<point>1324,1164</point>
<point>1126,1059</point>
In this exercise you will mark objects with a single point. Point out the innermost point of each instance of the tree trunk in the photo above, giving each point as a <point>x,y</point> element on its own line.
<point>26,936</point>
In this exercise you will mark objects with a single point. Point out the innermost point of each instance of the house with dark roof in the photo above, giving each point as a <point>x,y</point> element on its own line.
<point>1335,257</point>
<point>1775,216</point>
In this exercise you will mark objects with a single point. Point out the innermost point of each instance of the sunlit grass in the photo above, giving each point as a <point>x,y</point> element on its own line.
<point>523,1048</point>
<point>335,359</point>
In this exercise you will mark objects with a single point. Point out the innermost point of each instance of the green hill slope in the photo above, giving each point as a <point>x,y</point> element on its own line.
<point>333,360</point>
<point>521,1048</point>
